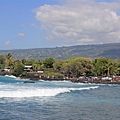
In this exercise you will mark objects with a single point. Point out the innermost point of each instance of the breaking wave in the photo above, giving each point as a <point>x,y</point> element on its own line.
<point>25,92</point>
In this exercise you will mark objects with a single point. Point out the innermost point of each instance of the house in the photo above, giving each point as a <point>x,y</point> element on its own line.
<point>7,69</point>
<point>28,68</point>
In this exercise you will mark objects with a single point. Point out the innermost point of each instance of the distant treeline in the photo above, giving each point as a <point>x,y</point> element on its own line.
<point>72,67</point>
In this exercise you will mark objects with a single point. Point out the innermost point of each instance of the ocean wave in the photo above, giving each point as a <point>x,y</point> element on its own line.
<point>39,92</point>
<point>11,76</point>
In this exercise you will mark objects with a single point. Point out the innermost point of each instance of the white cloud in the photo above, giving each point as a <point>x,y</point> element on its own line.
<point>7,43</point>
<point>81,21</point>
<point>33,25</point>
<point>21,35</point>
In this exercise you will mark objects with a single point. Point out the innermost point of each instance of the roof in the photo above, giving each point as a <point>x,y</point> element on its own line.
<point>27,66</point>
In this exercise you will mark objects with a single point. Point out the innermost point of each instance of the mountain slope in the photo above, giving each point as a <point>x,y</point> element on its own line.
<point>111,50</point>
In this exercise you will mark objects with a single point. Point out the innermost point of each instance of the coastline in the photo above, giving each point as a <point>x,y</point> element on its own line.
<point>73,80</point>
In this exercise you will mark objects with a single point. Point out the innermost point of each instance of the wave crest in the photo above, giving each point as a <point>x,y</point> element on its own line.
<point>39,92</point>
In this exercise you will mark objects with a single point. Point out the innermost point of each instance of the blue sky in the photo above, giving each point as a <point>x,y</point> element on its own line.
<point>52,23</point>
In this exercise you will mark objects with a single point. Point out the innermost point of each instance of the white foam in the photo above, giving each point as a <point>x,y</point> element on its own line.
<point>39,92</point>
<point>12,76</point>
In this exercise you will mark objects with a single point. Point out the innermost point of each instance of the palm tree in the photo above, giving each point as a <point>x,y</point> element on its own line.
<point>9,61</point>
<point>36,66</point>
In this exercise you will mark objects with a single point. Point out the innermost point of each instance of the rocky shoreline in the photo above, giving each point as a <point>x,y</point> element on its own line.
<point>32,79</point>
<point>75,80</point>
<point>96,82</point>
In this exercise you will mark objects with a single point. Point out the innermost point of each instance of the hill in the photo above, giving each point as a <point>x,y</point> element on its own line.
<point>111,50</point>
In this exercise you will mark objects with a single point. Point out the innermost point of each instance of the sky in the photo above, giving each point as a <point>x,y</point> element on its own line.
<point>26,24</point>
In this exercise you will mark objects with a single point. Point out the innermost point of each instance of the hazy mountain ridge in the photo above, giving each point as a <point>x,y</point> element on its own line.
<point>111,50</point>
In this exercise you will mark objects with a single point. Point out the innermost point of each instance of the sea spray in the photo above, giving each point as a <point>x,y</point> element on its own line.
<point>38,92</point>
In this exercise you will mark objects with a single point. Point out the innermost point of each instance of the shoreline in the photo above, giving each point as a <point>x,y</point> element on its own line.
<point>73,80</point>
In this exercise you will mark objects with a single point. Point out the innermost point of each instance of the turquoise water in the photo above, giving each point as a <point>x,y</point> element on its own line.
<point>57,100</point>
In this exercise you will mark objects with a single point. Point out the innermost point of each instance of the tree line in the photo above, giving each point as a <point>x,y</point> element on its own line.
<point>72,67</point>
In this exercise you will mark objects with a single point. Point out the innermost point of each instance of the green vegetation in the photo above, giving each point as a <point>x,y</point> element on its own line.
<point>111,51</point>
<point>53,74</point>
<point>72,68</point>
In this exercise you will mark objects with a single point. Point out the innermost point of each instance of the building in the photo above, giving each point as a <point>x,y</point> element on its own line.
<point>28,68</point>
<point>7,69</point>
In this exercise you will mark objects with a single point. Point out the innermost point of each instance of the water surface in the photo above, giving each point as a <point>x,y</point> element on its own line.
<point>57,100</point>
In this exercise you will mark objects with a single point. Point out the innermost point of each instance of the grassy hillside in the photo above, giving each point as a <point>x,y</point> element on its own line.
<point>112,51</point>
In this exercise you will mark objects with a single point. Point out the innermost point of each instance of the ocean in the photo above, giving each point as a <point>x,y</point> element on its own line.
<point>57,100</point>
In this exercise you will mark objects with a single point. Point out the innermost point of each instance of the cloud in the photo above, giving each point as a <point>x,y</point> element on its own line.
<point>81,21</point>
<point>21,35</point>
<point>33,25</point>
<point>7,43</point>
